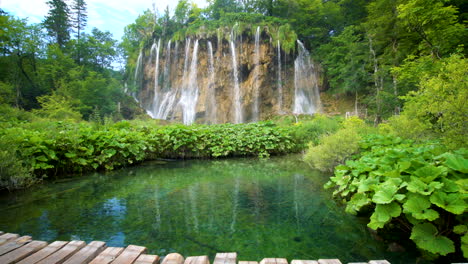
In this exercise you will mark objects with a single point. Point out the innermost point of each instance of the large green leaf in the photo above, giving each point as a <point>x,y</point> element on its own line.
<point>456,162</point>
<point>383,214</point>
<point>464,245</point>
<point>357,202</point>
<point>419,207</point>
<point>452,202</point>
<point>418,186</point>
<point>385,194</point>
<point>426,237</point>
<point>429,172</point>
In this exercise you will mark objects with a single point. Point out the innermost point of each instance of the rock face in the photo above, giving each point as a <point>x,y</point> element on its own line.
<point>195,80</point>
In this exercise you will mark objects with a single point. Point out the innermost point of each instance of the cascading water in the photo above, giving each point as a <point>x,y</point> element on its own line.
<point>306,94</point>
<point>256,91</point>
<point>156,81</point>
<point>189,93</point>
<point>211,96</point>
<point>279,80</point>
<point>164,106</point>
<point>238,118</point>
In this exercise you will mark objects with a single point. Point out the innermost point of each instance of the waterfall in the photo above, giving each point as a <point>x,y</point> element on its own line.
<point>211,93</point>
<point>236,92</point>
<point>306,94</point>
<point>156,81</point>
<point>139,65</point>
<point>256,91</point>
<point>189,93</point>
<point>167,95</point>
<point>279,80</point>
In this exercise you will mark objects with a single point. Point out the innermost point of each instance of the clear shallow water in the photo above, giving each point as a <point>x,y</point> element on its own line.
<point>270,208</point>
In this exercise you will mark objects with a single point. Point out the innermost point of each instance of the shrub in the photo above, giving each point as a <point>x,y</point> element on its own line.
<point>333,149</point>
<point>13,173</point>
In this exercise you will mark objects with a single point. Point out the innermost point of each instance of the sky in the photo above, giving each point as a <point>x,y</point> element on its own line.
<point>106,15</point>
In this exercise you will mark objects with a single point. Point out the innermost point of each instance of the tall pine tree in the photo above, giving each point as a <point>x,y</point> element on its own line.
<point>79,17</point>
<point>57,22</point>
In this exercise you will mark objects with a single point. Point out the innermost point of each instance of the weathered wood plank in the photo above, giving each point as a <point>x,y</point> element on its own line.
<point>358,263</point>
<point>197,260</point>
<point>43,253</point>
<point>274,261</point>
<point>173,258</point>
<point>329,261</point>
<point>300,261</point>
<point>64,253</point>
<point>14,244</point>
<point>147,259</point>
<point>7,237</point>
<point>129,255</point>
<point>248,262</point>
<point>225,258</point>
<point>379,262</point>
<point>87,253</point>
<point>22,252</point>
<point>108,255</point>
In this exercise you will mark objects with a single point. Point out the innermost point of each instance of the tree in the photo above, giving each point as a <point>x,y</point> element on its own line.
<point>440,102</point>
<point>57,22</point>
<point>79,17</point>
<point>436,25</point>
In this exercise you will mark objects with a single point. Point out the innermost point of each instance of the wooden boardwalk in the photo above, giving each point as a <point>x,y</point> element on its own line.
<point>24,250</point>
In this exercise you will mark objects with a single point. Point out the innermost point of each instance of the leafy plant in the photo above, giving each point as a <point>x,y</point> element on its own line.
<point>422,187</point>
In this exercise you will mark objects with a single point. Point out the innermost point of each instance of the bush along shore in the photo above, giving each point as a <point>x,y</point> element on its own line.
<point>36,150</point>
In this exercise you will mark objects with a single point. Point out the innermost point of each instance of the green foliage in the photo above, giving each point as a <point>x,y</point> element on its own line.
<point>334,149</point>
<point>440,103</point>
<point>311,130</point>
<point>422,186</point>
<point>13,173</point>
<point>63,147</point>
<point>57,107</point>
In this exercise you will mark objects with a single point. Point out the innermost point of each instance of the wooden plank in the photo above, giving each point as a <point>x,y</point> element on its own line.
<point>129,255</point>
<point>329,261</point>
<point>64,253</point>
<point>87,253</point>
<point>7,237</point>
<point>43,253</point>
<point>173,258</point>
<point>379,262</point>
<point>22,252</point>
<point>197,260</point>
<point>225,258</point>
<point>108,255</point>
<point>147,259</point>
<point>274,261</point>
<point>12,245</point>
<point>300,261</point>
<point>248,262</point>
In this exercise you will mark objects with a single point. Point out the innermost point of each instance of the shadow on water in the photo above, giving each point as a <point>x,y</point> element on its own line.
<point>258,208</point>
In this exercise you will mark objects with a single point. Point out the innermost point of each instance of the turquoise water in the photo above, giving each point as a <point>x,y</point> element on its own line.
<point>258,208</point>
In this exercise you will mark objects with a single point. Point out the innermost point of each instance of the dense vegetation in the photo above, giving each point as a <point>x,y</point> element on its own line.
<point>402,60</point>
<point>33,151</point>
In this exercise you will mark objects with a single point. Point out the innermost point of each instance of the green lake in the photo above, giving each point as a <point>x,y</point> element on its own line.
<point>257,208</point>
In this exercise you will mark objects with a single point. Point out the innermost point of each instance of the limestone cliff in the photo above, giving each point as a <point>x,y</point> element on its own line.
<point>195,80</point>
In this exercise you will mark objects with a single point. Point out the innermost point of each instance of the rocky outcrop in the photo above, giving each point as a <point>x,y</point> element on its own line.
<point>213,92</point>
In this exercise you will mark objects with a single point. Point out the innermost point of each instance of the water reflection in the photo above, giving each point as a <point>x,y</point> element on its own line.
<point>272,208</point>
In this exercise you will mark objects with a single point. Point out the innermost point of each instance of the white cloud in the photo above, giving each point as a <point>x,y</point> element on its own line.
<point>104,14</point>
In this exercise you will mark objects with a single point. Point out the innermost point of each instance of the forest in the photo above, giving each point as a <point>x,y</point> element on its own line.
<point>72,100</point>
